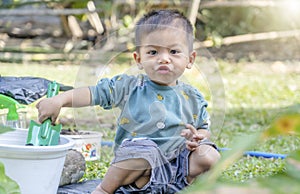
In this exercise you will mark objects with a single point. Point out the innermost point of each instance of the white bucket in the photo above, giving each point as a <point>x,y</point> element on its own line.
<point>36,169</point>
<point>89,145</point>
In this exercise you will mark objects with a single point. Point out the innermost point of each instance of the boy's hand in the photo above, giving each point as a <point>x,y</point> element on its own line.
<point>48,108</point>
<point>193,136</point>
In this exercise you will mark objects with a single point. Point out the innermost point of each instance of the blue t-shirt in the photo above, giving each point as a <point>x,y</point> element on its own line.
<point>152,111</point>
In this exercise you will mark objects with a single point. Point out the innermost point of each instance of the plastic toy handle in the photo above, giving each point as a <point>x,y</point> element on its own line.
<point>45,127</point>
<point>53,89</point>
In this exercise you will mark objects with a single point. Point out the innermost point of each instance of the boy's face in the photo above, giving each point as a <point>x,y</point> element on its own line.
<point>164,55</point>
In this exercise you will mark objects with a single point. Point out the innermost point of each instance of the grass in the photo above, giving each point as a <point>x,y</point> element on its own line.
<point>255,93</point>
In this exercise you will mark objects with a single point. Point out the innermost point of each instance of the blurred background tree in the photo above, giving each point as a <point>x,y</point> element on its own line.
<point>222,19</point>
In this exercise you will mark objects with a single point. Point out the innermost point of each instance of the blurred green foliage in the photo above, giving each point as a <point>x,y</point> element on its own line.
<point>7,185</point>
<point>225,21</point>
<point>281,182</point>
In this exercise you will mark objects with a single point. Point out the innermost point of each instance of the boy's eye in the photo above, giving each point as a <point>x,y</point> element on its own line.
<point>173,52</point>
<point>152,52</point>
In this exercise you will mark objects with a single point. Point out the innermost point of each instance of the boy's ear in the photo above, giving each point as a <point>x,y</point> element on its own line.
<point>137,59</point>
<point>192,58</point>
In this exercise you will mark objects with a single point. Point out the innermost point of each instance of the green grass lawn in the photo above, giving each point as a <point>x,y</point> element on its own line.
<point>255,93</point>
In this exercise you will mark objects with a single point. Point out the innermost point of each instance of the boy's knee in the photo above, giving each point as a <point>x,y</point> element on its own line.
<point>133,164</point>
<point>206,156</point>
<point>201,160</point>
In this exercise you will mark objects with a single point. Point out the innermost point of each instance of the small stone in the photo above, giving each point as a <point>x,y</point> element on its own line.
<point>74,168</point>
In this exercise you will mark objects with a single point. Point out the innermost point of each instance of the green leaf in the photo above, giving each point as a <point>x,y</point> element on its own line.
<point>7,185</point>
<point>281,183</point>
<point>284,125</point>
<point>4,129</point>
<point>293,165</point>
<point>239,145</point>
<point>127,20</point>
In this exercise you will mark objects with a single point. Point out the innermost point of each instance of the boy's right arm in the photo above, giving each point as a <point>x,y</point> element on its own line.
<point>50,107</point>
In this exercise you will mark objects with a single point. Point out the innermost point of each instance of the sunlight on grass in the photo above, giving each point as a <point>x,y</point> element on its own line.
<point>259,86</point>
<point>64,73</point>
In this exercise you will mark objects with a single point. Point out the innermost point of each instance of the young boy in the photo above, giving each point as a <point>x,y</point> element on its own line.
<point>161,143</point>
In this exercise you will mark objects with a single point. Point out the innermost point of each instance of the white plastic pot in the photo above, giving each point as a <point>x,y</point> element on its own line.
<point>36,169</point>
<point>88,144</point>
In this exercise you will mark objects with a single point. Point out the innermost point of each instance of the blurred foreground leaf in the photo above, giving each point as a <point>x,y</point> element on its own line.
<point>286,182</point>
<point>7,185</point>
<point>4,129</point>
<point>280,184</point>
<point>284,125</point>
<point>293,165</point>
<point>209,181</point>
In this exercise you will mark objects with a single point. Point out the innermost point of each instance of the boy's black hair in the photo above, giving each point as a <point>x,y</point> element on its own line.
<point>162,19</point>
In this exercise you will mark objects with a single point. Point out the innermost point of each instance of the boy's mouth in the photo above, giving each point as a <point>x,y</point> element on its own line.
<point>163,69</point>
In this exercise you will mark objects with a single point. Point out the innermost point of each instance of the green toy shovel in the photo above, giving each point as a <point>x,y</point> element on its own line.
<point>45,134</point>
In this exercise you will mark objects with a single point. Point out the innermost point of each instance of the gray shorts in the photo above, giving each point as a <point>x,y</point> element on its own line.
<point>166,176</point>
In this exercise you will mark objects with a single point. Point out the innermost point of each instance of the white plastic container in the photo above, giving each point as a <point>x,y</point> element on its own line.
<point>3,116</point>
<point>89,144</point>
<point>36,169</point>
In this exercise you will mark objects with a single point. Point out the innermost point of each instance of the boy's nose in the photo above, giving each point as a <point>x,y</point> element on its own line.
<point>164,58</point>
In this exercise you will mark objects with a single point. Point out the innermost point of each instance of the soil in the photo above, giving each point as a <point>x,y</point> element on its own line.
<point>73,132</point>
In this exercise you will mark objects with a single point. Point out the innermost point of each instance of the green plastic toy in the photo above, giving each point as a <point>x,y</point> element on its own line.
<point>45,134</point>
<point>13,107</point>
